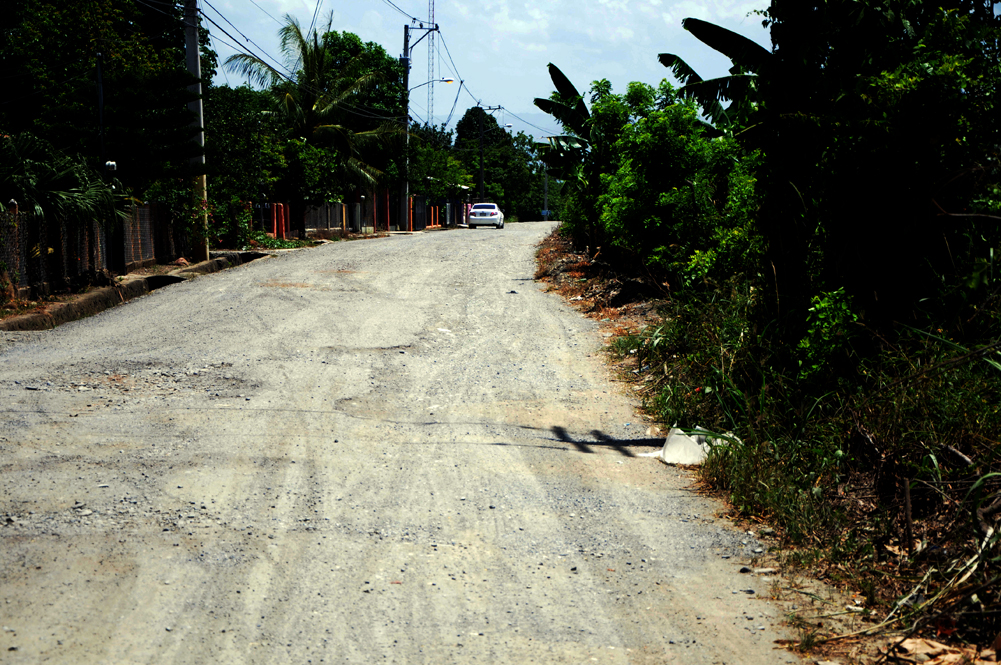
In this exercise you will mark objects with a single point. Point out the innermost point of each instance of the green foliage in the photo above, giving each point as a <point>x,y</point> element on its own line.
<point>739,88</point>
<point>435,170</point>
<point>653,185</point>
<point>831,263</point>
<point>827,334</point>
<point>262,239</point>
<point>512,171</point>
<point>879,124</point>
<point>52,184</point>
<point>49,52</point>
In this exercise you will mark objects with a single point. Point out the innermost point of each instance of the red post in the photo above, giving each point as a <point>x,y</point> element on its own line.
<point>274,220</point>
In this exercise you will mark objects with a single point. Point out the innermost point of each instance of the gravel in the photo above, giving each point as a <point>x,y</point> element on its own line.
<point>396,449</point>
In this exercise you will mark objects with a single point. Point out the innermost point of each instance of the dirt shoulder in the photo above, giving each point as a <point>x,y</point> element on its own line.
<point>830,620</point>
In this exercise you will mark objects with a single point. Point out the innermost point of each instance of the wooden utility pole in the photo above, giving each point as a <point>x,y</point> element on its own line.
<point>200,246</point>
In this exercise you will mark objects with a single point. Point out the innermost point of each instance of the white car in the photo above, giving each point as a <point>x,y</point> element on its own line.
<point>485,214</point>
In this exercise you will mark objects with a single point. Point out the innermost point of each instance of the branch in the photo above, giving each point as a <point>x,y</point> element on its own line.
<point>944,213</point>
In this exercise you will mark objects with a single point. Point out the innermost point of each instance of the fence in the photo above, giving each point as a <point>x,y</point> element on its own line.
<point>432,214</point>
<point>42,255</point>
<point>329,218</point>
<point>138,237</point>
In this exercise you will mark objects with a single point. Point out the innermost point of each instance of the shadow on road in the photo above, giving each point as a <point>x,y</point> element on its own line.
<point>599,439</point>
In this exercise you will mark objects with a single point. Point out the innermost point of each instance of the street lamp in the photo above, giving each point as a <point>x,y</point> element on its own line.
<point>405,204</point>
<point>446,79</point>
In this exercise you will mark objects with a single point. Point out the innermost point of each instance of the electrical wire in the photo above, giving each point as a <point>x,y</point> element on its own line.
<point>547,131</point>
<point>456,69</point>
<point>214,39</point>
<point>316,12</point>
<point>157,9</point>
<point>243,49</point>
<point>397,8</point>
<point>365,112</point>
<point>455,103</point>
<point>360,111</point>
<point>248,39</point>
<point>266,12</point>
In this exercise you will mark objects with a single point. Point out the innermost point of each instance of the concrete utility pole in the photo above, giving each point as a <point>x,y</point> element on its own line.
<point>405,61</point>
<point>404,221</point>
<point>192,54</point>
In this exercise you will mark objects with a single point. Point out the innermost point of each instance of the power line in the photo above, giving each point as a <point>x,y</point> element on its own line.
<point>360,111</point>
<point>455,69</point>
<point>527,122</point>
<point>455,103</point>
<point>266,12</point>
<point>157,9</point>
<point>316,12</point>
<point>248,39</point>
<point>397,8</point>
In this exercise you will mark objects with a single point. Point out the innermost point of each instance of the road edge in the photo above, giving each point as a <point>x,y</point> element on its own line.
<point>98,300</point>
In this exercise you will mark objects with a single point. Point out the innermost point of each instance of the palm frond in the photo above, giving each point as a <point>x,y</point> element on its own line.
<point>724,88</point>
<point>253,68</point>
<point>744,52</point>
<point>580,115</point>
<point>681,70</point>
<point>564,114</point>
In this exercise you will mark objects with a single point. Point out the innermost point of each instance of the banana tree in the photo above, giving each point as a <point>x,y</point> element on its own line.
<point>739,88</point>
<point>566,154</point>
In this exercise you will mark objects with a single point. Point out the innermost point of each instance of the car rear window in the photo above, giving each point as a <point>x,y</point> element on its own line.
<point>483,206</point>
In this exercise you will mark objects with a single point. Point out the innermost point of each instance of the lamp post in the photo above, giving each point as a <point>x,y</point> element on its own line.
<point>405,203</point>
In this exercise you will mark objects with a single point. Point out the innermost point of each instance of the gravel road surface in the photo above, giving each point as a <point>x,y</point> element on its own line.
<point>396,450</point>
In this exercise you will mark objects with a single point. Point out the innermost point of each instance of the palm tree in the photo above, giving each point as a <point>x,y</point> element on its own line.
<point>315,91</point>
<point>740,87</point>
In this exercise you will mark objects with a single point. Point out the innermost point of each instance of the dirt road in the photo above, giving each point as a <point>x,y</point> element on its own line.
<point>394,450</point>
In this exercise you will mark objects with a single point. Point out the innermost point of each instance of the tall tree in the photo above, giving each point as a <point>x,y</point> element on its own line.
<point>50,52</point>
<point>510,163</point>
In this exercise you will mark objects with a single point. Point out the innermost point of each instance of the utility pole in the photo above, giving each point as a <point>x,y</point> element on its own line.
<point>485,108</point>
<point>405,61</point>
<point>404,223</point>
<point>193,59</point>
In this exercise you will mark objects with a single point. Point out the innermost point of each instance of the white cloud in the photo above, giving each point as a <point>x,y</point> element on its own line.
<point>526,21</point>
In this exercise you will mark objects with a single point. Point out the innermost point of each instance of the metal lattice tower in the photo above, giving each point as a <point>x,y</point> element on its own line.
<point>431,54</point>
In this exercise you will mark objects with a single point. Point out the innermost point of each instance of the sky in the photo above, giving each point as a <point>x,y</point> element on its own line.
<point>501,48</point>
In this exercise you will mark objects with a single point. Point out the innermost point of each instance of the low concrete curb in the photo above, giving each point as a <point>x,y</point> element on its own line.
<point>86,305</point>
<point>99,300</point>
